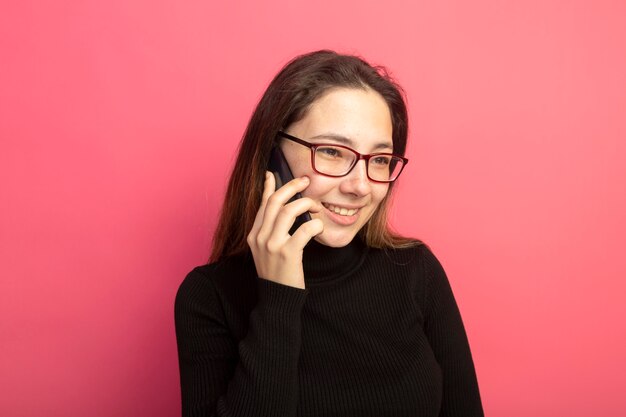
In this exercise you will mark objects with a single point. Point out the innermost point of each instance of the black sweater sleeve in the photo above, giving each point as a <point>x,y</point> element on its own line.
<point>446,334</point>
<point>259,375</point>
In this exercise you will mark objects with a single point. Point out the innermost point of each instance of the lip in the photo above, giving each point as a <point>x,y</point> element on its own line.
<point>342,220</point>
<point>346,206</point>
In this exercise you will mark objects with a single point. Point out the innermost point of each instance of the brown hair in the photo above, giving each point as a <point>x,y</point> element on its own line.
<point>286,101</point>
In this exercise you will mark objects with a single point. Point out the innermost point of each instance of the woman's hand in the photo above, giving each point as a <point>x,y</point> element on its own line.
<point>278,255</point>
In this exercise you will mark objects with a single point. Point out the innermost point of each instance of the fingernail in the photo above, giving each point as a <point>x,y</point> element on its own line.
<point>305,179</point>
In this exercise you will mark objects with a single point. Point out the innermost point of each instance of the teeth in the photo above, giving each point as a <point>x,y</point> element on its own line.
<point>341,210</point>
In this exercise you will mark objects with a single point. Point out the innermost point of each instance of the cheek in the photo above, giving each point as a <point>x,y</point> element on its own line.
<point>379,191</point>
<point>319,187</point>
<point>299,163</point>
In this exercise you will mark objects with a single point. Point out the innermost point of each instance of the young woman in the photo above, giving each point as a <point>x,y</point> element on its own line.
<point>341,317</point>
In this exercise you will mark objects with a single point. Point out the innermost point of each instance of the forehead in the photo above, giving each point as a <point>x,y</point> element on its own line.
<point>360,116</point>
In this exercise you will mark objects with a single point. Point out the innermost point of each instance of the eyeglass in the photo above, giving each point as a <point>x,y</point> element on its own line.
<point>339,160</point>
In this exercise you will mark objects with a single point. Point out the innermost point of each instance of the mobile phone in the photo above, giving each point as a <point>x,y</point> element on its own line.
<point>280,168</point>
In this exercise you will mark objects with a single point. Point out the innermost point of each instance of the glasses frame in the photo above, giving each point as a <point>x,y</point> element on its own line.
<point>313,147</point>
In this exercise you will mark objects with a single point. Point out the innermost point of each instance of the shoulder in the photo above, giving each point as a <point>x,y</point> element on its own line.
<point>417,263</point>
<point>207,283</point>
<point>196,292</point>
<point>418,255</point>
<point>198,282</point>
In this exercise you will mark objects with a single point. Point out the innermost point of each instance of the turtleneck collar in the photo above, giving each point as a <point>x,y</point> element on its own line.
<point>324,264</point>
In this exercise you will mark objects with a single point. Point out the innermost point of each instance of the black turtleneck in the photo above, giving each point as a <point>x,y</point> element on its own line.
<point>375,333</point>
<point>323,264</point>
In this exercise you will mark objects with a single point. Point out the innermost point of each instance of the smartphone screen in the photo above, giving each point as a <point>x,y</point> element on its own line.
<point>280,168</point>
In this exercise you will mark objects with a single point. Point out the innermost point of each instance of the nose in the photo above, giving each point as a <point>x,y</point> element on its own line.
<point>356,182</point>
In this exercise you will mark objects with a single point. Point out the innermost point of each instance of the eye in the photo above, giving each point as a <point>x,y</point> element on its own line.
<point>330,152</point>
<point>380,160</point>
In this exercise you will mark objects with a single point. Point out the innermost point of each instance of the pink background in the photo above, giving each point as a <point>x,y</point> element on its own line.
<point>119,121</point>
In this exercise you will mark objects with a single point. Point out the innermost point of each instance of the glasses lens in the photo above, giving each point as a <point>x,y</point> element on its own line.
<point>384,167</point>
<point>333,160</point>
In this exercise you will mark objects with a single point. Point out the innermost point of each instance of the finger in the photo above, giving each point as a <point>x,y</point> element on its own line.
<point>268,188</point>
<point>287,215</point>
<point>305,233</point>
<point>276,202</point>
<point>283,194</point>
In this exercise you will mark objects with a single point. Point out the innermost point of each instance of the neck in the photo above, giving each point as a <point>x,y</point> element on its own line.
<point>323,264</point>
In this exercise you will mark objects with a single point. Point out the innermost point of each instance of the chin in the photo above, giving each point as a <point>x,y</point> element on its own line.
<point>334,241</point>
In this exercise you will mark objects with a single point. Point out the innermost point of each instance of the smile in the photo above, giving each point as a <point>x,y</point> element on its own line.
<point>342,211</point>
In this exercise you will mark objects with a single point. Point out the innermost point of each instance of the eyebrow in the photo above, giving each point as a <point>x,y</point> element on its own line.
<point>349,142</point>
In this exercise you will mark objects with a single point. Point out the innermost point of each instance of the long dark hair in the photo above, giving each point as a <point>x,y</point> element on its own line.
<point>286,100</point>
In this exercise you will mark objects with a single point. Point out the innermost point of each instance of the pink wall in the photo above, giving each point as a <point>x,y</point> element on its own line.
<point>119,119</point>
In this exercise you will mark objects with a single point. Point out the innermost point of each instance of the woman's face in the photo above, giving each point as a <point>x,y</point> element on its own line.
<point>359,119</point>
